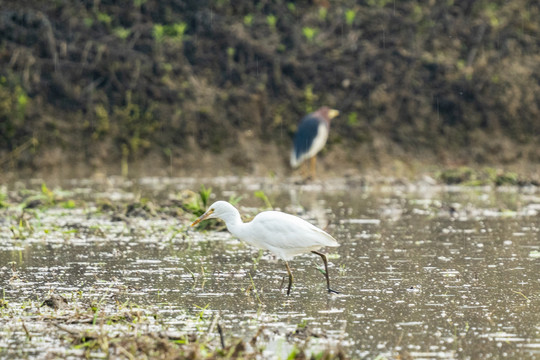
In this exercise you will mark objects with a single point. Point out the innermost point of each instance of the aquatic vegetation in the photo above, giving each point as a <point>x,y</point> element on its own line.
<point>197,204</point>
<point>133,331</point>
<point>261,195</point>
<point>3,200</point>
<point>456,176</point>
<point>479,177</point>
<point>22,230</point>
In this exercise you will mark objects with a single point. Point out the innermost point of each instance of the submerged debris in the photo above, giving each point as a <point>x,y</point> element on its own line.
<point>56,302</point>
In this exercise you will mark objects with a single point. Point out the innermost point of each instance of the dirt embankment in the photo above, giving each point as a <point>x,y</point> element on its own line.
<point>176,87</point>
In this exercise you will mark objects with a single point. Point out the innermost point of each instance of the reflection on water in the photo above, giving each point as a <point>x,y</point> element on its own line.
<point>425,272</point>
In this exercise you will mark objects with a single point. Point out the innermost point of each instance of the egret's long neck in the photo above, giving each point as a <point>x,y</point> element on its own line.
<point>233,221</point>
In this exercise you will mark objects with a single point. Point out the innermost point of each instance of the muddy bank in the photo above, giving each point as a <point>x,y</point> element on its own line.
<point>92,87</point>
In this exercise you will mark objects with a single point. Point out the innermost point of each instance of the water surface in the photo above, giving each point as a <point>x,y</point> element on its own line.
<point>424,271</point>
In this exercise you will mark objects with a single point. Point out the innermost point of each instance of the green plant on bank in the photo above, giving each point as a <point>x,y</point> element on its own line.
<point>323,12</point>
<point>138,124</point>
<point>378,3</point>
<point>88,21</point>
<point>352,119</point>
<point>292,7</point>
<point>132,125</point>
<point>158,32</point>
<point>13,104</point>
<point>248,20</point>
<point>104,18</point>
<point>310,98</point>
<point>350,15</point>
<point>121,32</point>
<point>309,33</point>
<point>271,20</point>
<point>139,3</point>
<point>230,53</point>
<point>174,32</point>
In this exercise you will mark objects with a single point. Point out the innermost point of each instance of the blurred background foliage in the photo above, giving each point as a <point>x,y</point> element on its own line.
<point>108,82</point>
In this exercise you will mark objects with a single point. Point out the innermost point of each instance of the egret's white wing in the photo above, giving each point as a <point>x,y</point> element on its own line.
<point>283,231</point>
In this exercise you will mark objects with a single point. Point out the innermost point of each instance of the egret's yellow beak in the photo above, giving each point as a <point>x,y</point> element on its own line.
<point>332,113</point>
<point>203,217</point>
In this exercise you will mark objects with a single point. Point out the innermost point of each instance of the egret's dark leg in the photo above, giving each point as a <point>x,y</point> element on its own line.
<point>290,277</point>
<point>326,272</point>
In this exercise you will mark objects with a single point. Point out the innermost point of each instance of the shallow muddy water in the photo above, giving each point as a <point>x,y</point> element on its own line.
<point>424,271</point>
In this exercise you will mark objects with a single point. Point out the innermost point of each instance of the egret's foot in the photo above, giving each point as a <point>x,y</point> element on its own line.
<point>330,291</point>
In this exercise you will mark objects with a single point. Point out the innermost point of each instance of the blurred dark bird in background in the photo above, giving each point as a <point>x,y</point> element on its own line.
<point>311,137</point>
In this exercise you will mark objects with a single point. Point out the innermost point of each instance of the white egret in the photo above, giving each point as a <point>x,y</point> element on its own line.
<point>282,234</point>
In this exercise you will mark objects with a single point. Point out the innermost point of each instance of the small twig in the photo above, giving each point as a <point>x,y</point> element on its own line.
<point>520,293</point>
<point>26,331</point>
<point>69,331</point>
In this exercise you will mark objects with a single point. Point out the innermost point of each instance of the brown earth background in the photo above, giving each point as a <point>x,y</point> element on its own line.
<point>217,87</point>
